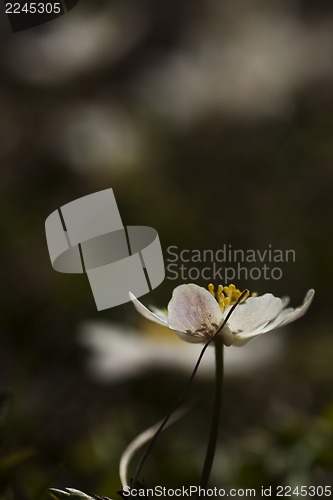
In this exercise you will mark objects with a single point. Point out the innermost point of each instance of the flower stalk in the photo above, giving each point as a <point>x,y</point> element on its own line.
<point>210,453</point>
<point>219,366</point>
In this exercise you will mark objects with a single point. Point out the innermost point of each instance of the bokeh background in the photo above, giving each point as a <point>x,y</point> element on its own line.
<point>213,122</point>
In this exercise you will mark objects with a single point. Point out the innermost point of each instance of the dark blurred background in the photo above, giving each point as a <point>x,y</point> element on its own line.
<point>213,123</point>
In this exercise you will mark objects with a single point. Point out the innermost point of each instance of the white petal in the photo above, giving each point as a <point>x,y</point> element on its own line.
<point>254,313</point>
<point>194,310</point>
<point>160,313</point>
<point>283,318</point>
<point>190,337</point>
<point>299,311</point>
<point>157,318</point>
<point>240,340</point>
<point>276,322</point>
<point>285,300</point>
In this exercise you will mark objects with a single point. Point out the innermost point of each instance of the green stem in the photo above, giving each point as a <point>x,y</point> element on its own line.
<point>210,453</point>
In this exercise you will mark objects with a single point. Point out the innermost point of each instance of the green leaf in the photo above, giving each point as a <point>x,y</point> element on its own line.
<point>70,493</point>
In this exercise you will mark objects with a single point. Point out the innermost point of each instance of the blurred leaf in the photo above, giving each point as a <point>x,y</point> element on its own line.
<point>70,493</point>
<point>8,462</point>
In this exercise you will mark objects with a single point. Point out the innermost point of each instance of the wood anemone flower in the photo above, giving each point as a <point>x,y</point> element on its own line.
<point>196,313</point>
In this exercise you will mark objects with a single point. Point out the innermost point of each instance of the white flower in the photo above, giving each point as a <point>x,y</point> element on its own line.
<point>196,314</point>
<point>118,352</point>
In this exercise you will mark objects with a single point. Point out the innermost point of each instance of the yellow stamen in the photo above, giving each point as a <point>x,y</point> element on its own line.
<point>226,295</point>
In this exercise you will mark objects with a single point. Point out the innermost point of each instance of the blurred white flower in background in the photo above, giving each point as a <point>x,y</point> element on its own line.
<point>240,61</point>
<point>195,314</point>
<point>118,352</point>
<point>234,59</point>
<point>94,135</point>
<point>75,43</point>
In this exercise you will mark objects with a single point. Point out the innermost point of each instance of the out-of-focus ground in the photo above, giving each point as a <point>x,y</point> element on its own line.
<point>213,122</point>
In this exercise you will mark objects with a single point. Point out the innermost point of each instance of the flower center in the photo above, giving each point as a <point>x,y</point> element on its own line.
<point>226,295</point>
